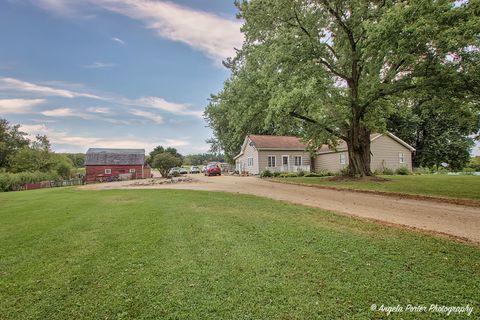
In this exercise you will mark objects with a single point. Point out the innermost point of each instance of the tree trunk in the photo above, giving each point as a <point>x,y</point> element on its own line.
<point>358,143</point>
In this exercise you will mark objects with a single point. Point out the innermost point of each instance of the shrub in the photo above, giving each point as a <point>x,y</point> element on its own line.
<point>322,173</point>
<point>387,172</point>
<point>442,170</point>
<point>288,175</point>
<point>468,171</point>
<point>301,173</point>
<point>276,174</point>
<point>266,174</point>
<point>344,171</point>
<point>11,181</point>
<point>403,171</point>
<point>422,170</point>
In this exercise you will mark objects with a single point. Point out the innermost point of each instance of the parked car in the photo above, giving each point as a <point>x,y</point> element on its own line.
<point>183,171</point>
<point>174,172</point>
<point>213,170</point>
<point>194,169</point>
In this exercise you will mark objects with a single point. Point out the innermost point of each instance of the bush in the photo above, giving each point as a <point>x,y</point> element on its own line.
<point>266,174</point>
<point>468,171</point>
<point>344,171</point>
<point>11,181</point>
<point>422,170</point>
<point>163,162</point>
<point>403,171</point>
<point>276,174</point>
<point>442,170</point>
<point>288,175</point>
<point>322,173</point>
<point>301,173</point>
<point>387,172</point>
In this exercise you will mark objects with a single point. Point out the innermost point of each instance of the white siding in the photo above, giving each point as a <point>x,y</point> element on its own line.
<point>263,157</point>
<point>241,163</point>
<point>385,154</point>
<point>330,162</point>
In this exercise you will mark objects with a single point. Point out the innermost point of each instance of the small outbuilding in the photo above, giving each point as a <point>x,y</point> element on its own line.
<point>104,164</point>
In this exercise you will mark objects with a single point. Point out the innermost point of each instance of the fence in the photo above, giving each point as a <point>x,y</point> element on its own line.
<point>49,184</point>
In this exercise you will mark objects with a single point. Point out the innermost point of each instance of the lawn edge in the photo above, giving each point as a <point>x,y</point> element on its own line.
<point>457,201</point>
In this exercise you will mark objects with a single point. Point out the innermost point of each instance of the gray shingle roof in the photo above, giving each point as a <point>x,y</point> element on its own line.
<point>106,156</point>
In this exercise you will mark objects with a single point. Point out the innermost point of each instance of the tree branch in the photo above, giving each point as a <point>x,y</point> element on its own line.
<point>313,121</point>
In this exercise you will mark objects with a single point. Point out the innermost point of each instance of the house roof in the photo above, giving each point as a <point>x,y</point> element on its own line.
<point>276,142</point>
<point>342,145</point>
<point>265,142</point>
<point>107,156</point>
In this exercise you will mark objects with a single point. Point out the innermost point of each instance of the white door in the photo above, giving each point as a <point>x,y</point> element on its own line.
<point>285,163</point>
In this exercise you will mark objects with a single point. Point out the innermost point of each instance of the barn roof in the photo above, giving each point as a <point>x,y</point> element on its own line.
<point>107,156</point>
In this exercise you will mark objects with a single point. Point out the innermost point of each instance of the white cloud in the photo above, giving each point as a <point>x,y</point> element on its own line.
<point>99,110</point>
<point>76,143</point>
<point>66,113</point>
<point>214,35</point>
<point>11,84</point>
<point>18,105</point>
<point>148,115</point>
<point>162,104</point>
<point>99,65</point>
<point>18,85</point>
<point>118,40</point>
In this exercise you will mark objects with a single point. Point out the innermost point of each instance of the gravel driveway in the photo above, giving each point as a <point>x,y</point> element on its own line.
<point>459,221</point>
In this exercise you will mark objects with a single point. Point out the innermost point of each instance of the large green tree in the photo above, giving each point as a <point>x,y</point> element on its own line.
<point>11,141</point>
<point>342,66</point>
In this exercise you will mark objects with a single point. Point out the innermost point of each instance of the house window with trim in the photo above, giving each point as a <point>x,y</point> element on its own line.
<point>401,157</point>
<point>108,171</point>
<point>343,159</point>
<point>271,161</point>
<point>298,160</point>
<point>250,162</point>
<point>132,171</point>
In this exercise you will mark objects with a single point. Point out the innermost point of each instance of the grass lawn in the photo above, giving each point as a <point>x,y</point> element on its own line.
<point>166,254</point>
<point>430,185</point>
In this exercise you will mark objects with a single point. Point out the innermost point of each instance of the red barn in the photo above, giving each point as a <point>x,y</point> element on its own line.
<point>111,164</point>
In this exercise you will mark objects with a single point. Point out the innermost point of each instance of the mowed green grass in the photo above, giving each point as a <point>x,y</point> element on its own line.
<point>166,254</point>
<point>431,185</point>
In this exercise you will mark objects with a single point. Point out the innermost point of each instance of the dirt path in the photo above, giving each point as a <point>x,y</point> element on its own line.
<point>459,221</point>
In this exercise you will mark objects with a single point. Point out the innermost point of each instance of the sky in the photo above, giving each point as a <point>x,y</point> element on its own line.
<point>114,73</point>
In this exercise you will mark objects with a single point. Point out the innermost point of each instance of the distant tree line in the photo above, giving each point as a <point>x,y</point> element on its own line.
<point>23,160</point>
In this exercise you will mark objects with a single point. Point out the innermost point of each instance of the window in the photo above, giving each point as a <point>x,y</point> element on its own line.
<point>298,160</point>
<point>271,161</point>
<point>132,171</point>
<point>285,161</point>
<point>250,162</point>
<point>343,159</point>
<point>108,171</point>
<point>401,157</point>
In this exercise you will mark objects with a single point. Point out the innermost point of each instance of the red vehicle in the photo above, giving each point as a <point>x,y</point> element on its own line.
<point>213,170</point>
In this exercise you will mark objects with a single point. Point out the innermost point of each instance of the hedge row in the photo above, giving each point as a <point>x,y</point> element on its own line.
<point>11,181</point>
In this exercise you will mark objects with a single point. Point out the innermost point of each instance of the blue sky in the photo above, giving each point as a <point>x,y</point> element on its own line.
<point>114,73</point>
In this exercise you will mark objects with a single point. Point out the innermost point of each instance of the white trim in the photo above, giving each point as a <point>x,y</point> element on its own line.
<point>274,164</point>
<point>109,171</point>
<point>248,162</point>
<point>295,160</point>
<point>244,145</point>
<point>344,158</point>
<point>401,157</point>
